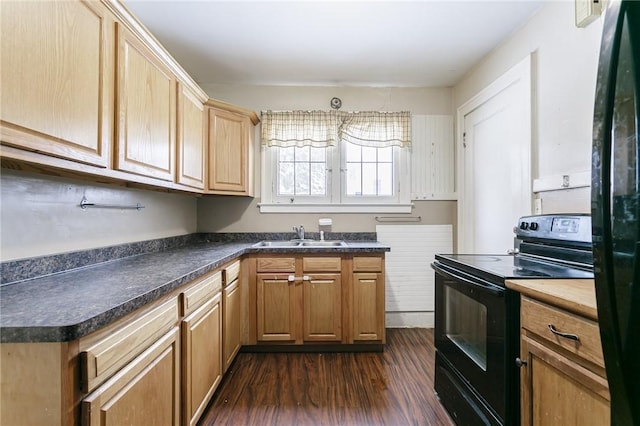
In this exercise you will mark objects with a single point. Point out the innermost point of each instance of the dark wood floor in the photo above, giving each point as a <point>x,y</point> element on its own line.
<point>390,388</point>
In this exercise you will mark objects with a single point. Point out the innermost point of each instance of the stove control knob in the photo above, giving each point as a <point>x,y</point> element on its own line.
<point>524,226</point>
<point>533,226</point>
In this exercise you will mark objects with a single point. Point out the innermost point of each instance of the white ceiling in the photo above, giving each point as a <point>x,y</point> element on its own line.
<point>428,43</point>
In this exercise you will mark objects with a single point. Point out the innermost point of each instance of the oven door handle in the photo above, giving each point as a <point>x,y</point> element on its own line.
<point>479,283</point>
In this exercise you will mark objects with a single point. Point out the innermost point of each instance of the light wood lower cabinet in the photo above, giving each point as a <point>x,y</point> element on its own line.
<point>202,357</point>
<point>146,391</point>
<point>318,299</point>
<point>57,79</point>
<point>563,381</point>
<point>232,311</point>
<point>368,299</point>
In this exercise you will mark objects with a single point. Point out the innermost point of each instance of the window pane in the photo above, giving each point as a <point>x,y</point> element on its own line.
<point>302,154</point>
<point>369,179</point>
<point>369,154</point>
<point>318,154</point>
<point>286,154</point>
<point>354,182</point>
<point>302,179</point>
<point>385,154</point>
<point>285,179</point>
<point>385,179</point>
<point>318,179</point>
<point>353,152</point>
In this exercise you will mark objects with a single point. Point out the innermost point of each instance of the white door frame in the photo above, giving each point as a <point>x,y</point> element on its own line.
<point>521,72</point>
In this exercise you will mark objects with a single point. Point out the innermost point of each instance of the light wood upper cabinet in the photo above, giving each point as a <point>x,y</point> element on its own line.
<point>191,139</point>
<point>146,110</point>
<point>230,153</point>
<point>56,87</point>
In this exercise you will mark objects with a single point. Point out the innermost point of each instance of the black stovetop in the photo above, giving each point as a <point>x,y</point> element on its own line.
<point>499,267</point>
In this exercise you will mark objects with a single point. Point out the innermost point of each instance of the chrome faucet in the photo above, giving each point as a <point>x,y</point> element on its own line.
<point>299,232</point>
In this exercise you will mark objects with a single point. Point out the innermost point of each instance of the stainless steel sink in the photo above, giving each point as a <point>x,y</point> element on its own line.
<point>325,243</point>
<point>301,244</point>
<point>277,244</point>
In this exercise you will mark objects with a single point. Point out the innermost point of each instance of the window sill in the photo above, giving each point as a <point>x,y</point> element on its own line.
<point>334,208</point>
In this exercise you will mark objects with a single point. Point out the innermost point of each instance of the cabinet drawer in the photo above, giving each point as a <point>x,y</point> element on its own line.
<point>108,350</point>
<point>200,292</point>
<point>323,264</point>
<point>367,264</point>
<point>276,264</point>
<point>537,318</point>
<point>231,273</point>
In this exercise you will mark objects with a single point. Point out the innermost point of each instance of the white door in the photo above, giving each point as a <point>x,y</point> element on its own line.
<point>495,163</point>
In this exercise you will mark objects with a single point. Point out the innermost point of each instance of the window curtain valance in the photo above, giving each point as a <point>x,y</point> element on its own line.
<point>318,129</point>
<point>323,128</point>
<point>377,129</point>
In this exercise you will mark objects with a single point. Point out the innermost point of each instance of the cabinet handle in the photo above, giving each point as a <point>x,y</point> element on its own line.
<point>293,278</point>
<point>570,336</point>
<point>521,362</point>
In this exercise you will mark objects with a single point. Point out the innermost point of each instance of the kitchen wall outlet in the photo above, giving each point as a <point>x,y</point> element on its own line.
<point>538,206</point>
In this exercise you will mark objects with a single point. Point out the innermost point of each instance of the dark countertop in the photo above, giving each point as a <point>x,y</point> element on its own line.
<point>68,305</point>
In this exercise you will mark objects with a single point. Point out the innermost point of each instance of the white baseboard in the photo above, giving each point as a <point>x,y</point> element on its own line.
<point>410,319</point>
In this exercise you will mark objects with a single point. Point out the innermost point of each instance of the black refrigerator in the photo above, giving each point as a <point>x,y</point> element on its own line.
<point>615,204</point>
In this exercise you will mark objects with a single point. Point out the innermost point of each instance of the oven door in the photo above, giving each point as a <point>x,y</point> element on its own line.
<point>470,335</point>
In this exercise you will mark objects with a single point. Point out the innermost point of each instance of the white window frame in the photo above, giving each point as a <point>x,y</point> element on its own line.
<point>399,203</point>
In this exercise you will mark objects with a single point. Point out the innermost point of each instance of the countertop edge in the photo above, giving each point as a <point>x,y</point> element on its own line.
<point>576,295</point>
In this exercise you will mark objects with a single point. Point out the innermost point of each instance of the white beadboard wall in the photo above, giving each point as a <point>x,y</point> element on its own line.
<point>432,157</point>
<point>410,281</point>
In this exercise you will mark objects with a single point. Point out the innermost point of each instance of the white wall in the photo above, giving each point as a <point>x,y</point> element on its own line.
<point>565,69</point>
<point>40,215</point>
<point>228,214</point>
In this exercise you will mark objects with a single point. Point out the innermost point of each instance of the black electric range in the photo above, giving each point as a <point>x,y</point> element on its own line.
<point>477,318</point>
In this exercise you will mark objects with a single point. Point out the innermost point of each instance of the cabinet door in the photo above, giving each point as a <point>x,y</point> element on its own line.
<point>145,392</point>
<point>276,308</point>
<point>191,147</point>
<point>57,79</point>
<point>558,391</point>
<point>368,306</point>
<point>229,153</point>
<point>231,308</point>
<point>202,358</point>
<point>146,107</point>
<point>323,307</point>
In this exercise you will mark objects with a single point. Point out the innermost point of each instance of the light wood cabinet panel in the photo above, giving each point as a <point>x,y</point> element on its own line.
<point>322,294</point>
<point>145,392</point>
<point>557,391</point>
<point>368,307</point>
<point>276,308</point>
<point>231,307</point>
<point>191,139</point>
<point>146,110</point>
<point>230,153</point>
<point>104,352</point>
<point>276,264</point>
<point>202,357</point>
<point>57,79</point>
<point>200,291</point>
<point>563,380</point>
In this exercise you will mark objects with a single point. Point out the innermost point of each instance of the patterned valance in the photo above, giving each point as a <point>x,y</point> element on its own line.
<point>323,128</point>
<point>318,129</point>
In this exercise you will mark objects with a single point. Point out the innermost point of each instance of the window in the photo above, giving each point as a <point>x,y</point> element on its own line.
<point>333,166</point>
